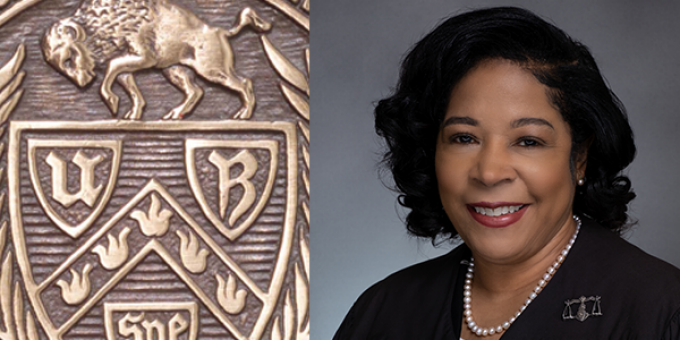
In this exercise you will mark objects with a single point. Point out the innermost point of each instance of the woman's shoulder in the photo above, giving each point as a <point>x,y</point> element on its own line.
<point>416,298</point>
<point>419,283</point>
<point>437,270</point>
<point>611,282</point>
<point>605,252</point>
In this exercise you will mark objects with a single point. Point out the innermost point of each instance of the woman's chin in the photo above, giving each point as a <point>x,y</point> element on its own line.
<point>498,251</point>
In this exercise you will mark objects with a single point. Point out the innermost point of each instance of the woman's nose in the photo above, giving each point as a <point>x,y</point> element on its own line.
<point>493,165</point>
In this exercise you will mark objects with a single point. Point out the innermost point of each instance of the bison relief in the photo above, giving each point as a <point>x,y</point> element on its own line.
<point>123,37</point>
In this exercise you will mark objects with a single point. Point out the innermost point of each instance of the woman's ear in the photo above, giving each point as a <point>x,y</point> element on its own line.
<point>582,158</point>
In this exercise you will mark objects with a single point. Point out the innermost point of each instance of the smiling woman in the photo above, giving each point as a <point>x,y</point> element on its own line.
<point>504,145</point>
<point>503,132</point>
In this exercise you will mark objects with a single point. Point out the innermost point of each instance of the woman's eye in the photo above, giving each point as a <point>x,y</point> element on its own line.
<point>462,139</point>
<point>529,142</point>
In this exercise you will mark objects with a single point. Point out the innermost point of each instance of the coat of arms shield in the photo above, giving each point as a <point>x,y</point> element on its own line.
<point>95,273</point>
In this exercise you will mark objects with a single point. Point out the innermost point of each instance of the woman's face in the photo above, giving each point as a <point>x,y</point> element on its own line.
<point>502,163</point>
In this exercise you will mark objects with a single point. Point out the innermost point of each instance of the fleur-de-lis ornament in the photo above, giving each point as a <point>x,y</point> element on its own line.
<point>231,300</point>
<point>78,289</point>
<point>117,252</point>
<point>156,221</point>
<point>192,258</point>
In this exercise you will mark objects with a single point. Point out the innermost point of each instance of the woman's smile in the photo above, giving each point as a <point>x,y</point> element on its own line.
<point>498,214</point>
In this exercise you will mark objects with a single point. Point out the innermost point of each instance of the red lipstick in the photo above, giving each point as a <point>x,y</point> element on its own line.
<point>501,221</point>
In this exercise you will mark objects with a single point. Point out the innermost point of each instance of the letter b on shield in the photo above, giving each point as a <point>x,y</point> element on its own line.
<point>231,180</point>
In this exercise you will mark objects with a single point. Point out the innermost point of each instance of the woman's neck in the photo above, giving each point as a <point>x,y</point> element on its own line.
<point>499,290</point>
<point>508,278</point>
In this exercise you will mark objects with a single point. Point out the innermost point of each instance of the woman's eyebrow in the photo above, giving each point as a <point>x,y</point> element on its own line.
<point>529,121</point>
<point>460,120</point>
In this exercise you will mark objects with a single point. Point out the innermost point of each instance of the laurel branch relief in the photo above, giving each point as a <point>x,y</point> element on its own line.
<point>18,324</point>
<point>295,88</point>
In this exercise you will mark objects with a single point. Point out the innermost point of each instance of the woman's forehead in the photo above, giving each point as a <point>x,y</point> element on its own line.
<point>501,90</point>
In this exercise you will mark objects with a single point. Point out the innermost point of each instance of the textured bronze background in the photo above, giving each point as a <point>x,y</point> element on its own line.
<point>154,169</point>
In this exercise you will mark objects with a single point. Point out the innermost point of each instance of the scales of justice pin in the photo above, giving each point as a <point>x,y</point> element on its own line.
<point>154,169</point>
<point>582,308</point>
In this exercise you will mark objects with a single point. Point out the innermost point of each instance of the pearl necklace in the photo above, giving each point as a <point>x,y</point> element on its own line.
<point>467,293</point>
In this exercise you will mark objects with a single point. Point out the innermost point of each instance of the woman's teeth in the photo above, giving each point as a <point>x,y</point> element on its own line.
<point>498,211</point>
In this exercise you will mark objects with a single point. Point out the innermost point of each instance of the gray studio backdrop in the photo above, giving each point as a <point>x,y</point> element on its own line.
<point>357,237</point>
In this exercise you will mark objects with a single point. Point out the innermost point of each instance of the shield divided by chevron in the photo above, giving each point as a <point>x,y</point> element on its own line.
<point>155,242</point>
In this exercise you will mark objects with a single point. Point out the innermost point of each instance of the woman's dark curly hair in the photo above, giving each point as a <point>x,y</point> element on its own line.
<point>410,119</point>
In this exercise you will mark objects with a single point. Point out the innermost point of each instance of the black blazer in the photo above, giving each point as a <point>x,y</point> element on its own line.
<point>637,295</point>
